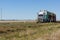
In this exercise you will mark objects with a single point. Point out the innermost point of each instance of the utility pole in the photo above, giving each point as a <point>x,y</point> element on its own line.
<point>1,13</point>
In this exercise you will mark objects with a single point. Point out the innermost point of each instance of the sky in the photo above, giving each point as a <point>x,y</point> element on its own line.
<point>27,9</point>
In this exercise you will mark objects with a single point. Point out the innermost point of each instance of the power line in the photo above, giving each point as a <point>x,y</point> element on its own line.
<point>1,13</point>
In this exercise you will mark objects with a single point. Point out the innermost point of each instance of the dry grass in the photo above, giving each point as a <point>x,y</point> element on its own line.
<point>26,31</point>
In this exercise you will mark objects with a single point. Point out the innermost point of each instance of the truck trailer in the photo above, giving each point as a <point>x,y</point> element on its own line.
<point>46,16</point>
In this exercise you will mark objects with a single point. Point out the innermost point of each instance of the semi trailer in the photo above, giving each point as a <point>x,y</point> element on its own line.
<point>46,16</point>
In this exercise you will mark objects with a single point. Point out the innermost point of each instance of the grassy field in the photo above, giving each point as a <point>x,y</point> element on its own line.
<point>26,31</point>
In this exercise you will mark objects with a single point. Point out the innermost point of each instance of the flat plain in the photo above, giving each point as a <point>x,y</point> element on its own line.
<point>29,31</point>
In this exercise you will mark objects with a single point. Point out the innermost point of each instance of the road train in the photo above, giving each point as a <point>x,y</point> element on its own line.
<point>46,16</point>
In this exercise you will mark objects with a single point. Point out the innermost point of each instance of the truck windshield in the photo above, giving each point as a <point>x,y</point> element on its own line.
<point>40,15</point>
